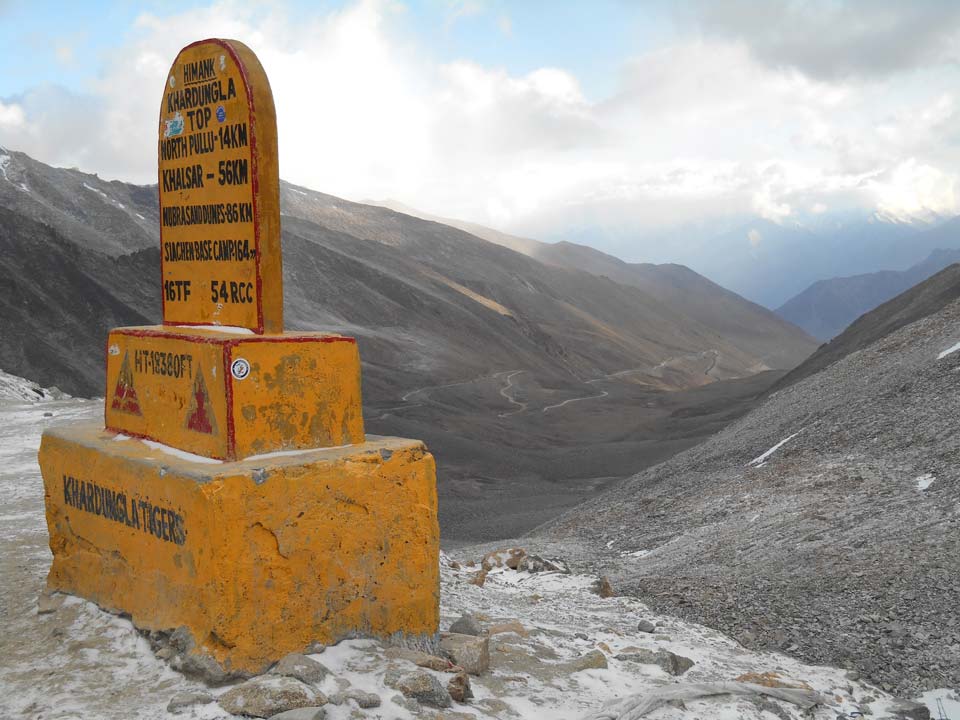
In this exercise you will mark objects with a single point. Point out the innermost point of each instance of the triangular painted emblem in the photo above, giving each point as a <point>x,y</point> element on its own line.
<point>200,417</point>
<point>125,395</point>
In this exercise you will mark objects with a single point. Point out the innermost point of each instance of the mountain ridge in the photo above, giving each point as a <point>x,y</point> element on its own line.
<point>537,385</point>
<point>828,306</point>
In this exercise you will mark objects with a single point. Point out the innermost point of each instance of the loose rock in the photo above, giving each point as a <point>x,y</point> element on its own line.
<point>467,625</point>
<point>421,686</point>
<point>420,659</point>
<point>363,699</point>
<point>646,626</point>
<point>479,578</point>
<point>535,564</point>
<point>603,588</point>
<point>906,710</point>
<point>302,668</point>
<point>49,602</point>
<point>408,704</point>
<point>182,701</point>
<point>459,687</point>
<point>203,667</point>
<point>593,660</point>
<point>469,652</point>
<point>671,663</point>
<point>508,627</point>
<point>305,713</point>
<point>269,695</point>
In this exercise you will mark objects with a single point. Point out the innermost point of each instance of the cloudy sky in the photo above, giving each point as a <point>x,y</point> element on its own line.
<point>533,117</point>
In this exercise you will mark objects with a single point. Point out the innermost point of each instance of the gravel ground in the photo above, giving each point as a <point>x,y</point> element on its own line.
<point>841,546</point>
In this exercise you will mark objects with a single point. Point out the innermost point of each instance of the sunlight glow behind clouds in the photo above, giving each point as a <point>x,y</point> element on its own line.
<point>706,124</point>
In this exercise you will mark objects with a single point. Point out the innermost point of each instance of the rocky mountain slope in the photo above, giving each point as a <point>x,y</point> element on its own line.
<point>828,306</point>
<point>826,522</point>
<point>465,344</point>
<point>422,296</point>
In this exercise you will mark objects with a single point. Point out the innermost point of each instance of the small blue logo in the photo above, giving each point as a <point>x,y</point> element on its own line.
<point>173,127</point>
<point>221,113</point>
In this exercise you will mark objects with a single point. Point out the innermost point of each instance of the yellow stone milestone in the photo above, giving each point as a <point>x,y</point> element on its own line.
<point>229,396</point>
<point>256,559</point>
<point>232,496</point>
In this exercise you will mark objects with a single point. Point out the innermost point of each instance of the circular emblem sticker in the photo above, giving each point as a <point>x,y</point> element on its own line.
<point>173,81</point>
<point>221,113</point>
<point>239,368</point>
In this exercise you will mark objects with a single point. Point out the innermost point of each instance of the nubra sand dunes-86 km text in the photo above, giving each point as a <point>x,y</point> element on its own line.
<point>657,499</point>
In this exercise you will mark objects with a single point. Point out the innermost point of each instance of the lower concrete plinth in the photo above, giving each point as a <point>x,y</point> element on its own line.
<point>256,558</point>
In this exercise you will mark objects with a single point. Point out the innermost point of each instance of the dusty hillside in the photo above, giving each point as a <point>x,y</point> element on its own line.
<point>826,522</point>
<point>760,331</point>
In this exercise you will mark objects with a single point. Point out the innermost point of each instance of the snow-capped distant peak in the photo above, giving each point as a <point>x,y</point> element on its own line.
<point>920,217</point>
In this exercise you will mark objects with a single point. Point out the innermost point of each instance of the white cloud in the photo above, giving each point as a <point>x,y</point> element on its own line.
<point>912,189</point>
<point>835,40</point>
<point>700,128</point>
<point>11,116</point>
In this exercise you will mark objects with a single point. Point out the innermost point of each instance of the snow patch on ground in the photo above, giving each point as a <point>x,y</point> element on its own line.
<point>949,703</point>
<point>948,351</point>
<point>761,460</point>
<point>925,481</point>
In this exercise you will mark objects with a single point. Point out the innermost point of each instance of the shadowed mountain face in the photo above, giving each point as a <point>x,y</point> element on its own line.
<point>916,303</point>
<point>827,307</point>
<point>467,344</point>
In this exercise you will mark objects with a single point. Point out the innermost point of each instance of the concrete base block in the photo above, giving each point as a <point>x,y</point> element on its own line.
<point>255,559</point>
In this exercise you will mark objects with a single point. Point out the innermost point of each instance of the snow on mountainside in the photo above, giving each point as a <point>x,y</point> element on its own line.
<point>16,389</point>
<point>558,651</point>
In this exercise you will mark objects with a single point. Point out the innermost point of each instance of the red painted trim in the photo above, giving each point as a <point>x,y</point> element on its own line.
<point>106,382</point>
<point>228,387</point>
<point>143,436</point>
<point>254,182</point>
<point>232,341</point>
